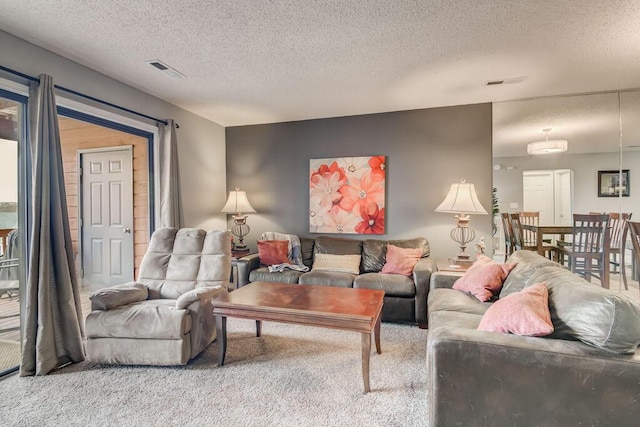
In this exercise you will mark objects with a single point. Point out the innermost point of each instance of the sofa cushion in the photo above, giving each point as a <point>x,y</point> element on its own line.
<point>272,252</point>
<point>337,246</point>
<point>337,263</point>
<point>150,319</point>
<point>526,263</point>
<point>444,299</point>
<point>392,284</point>
<point>306,247</point>
<point>374,251</point>
<point>262,274</point>
<point>521,313</point>
<point>327,278</point>
<point>484,278</point>
<point>401,260</point>
<point>587,312</point>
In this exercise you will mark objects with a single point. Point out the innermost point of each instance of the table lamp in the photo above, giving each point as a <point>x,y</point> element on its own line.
<point>237,203</point>
<point>462,199</point>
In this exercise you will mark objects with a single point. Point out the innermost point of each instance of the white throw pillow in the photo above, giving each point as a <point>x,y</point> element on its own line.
<point>338,263</point>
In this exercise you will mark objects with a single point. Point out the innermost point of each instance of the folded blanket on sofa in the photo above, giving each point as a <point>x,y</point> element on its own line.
<point>294,247</point>
<point>278,268</point>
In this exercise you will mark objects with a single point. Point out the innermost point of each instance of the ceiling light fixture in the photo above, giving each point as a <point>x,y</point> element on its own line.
<point>547,146</point>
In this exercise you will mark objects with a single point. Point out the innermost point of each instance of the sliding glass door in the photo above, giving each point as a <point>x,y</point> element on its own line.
<point>12,131</point>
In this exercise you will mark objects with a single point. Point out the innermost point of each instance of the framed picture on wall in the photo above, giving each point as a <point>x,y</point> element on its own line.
<point>612,183</point>
<point>347,195</point>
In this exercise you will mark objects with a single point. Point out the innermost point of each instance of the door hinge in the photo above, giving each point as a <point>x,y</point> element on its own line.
<point>80,222</point>
<point>81,272</point>
<point>80,171</point>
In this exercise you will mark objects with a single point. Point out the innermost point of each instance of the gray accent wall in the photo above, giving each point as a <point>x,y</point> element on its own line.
<point>427,150</point>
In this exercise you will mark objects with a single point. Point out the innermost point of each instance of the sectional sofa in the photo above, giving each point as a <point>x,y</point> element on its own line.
<point>405,296</point>
<point>586,373</point>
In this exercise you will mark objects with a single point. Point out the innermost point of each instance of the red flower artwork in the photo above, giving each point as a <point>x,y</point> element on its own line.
<point>372,220</point>
<point>347,195</point>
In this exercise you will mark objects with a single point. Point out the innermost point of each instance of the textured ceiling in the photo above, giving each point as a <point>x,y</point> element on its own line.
<point>249,61</point>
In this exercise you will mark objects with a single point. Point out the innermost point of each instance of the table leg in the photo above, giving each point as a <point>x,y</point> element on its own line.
<point>258,328</point>
<point>221,329</point>
<point>376,333</point>
<point>366,350</point>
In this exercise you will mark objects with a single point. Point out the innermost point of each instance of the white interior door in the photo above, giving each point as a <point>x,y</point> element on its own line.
<point>106,216</point>
<point>538,194</point>
<point>563,196</point>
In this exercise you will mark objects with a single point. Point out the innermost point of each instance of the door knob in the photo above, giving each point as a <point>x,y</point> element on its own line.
<point>127,230</point>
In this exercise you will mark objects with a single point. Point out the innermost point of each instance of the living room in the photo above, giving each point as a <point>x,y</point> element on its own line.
<point>408,82</point>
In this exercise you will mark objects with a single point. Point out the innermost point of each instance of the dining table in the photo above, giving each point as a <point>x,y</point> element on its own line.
<point>546,230</point>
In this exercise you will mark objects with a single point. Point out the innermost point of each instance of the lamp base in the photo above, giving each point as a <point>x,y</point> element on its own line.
<point>240,248</point>
<point>461,259</point>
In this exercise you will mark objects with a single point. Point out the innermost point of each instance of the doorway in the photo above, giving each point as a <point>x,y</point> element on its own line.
<point>549,192</point>
<point>12,124</point>
<point>106,216</point>
<point>81,139</point>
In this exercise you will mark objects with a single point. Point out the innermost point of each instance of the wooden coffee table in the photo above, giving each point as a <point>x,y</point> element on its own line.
<point>349,309</point>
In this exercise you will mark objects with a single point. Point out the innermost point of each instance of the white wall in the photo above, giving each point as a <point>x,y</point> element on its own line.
<point>585,168</point>
<point>201,142</point>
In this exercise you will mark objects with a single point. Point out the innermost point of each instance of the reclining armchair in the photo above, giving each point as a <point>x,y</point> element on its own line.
<point>166,316</point>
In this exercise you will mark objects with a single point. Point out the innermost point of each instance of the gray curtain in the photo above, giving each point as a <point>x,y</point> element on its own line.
<point>170,197</point>
<point>53,325</point>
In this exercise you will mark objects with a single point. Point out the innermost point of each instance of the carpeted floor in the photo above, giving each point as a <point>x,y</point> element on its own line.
<point>291,376</point>
<point>9,354</point>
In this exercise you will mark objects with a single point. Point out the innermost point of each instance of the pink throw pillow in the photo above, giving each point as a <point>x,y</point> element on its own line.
<point>272,252</point>
<point>521,313</point>
<point>401,260</point>
<point>484,278</point>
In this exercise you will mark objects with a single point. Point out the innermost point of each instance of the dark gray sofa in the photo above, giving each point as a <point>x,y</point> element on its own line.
<point>405,297</point>
<point>576,376</point>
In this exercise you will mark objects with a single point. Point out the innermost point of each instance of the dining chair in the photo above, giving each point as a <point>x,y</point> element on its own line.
<point>588,252</point>
<point>520,241</point>
<point>518,235</point>
<point>529,218</point>
<point>634,232</point>
<point>618,238</point>
<point>509,243</point>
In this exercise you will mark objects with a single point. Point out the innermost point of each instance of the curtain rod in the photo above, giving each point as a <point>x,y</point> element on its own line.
<point>82,95</point>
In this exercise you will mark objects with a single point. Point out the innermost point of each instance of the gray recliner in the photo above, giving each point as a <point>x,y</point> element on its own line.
<point>165,317</point>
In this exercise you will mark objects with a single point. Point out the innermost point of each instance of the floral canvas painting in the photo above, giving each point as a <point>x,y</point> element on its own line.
<point>347,195</point>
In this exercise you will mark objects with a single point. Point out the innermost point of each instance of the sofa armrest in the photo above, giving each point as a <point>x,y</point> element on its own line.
<point>441,279</point>
<point>118,295</point>
<point>246,265</point>
<point>198,294</point>
<point>421,278</point>
<point>478,378</point>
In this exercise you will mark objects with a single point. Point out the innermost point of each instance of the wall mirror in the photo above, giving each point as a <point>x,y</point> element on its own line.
<point>602,131</point>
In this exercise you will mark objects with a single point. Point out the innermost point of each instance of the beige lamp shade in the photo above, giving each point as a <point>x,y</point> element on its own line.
<point>462,198</point>
<point>237,203</point>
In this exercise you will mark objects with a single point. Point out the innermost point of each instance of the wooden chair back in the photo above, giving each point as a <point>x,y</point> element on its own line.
<point>508,234</point>
<point>634,232</point>
<point>590,233</point>
<point>618,229</point>
<point>529,218</point>
<point>516,227</point>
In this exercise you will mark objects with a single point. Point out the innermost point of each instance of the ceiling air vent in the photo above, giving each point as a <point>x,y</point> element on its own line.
<point>510,81</point>
<point>170,71</point>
